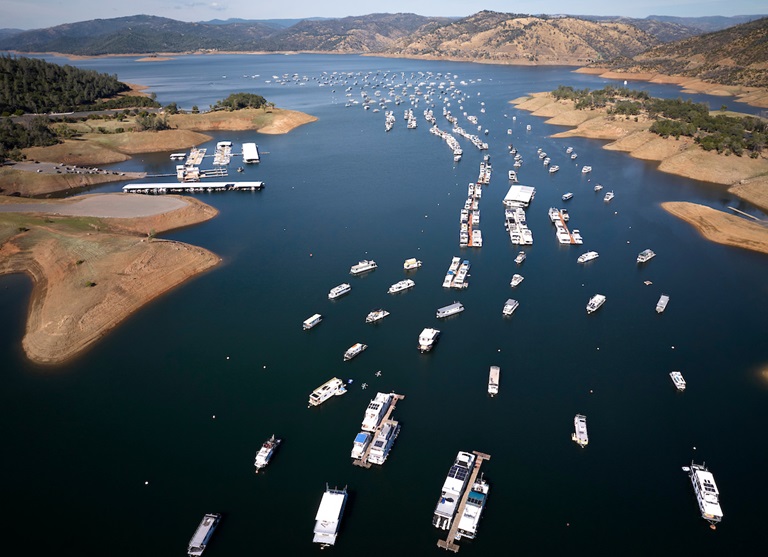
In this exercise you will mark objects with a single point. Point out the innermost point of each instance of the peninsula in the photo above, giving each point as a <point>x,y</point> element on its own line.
<point>95,260</point>
<point>109,141</point>
<point>745,177</point>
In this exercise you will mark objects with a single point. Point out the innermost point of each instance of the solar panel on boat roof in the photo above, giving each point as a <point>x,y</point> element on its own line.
<point>458,472</point>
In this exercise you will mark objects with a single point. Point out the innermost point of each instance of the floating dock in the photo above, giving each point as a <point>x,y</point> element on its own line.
<point>191,187</point>
<point>449,542</point>
<point>195,157</point>
<point>363,460</point>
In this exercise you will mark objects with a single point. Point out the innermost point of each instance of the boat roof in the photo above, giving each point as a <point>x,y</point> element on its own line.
<point>208,522</point>
<point>362,437</point>
<point>331,506</point>
<point>519,194</point>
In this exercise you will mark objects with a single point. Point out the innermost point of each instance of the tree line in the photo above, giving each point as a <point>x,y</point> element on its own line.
<point>676,117</point>
<point>30,85</point>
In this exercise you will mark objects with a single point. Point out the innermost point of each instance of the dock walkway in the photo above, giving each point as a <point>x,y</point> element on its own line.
<point>565,226</point>
<point>363,460</point>
<point>449,542</point>
<point>191,187</point>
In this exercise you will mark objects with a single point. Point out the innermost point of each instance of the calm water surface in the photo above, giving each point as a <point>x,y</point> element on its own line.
<point>183,393</point>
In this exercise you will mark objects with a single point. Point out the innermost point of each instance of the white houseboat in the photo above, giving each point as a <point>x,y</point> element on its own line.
<point>332,387</point>
<point>203,534</point>
<point>328,517</point>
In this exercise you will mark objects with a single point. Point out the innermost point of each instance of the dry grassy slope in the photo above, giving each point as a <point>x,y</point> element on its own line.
<point>508,38</point>
<point>735,56</point>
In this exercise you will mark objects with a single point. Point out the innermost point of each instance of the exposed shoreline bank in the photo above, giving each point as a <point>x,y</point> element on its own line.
<point>93,148</point>
<point>744,177</point>
<point>91,272</point>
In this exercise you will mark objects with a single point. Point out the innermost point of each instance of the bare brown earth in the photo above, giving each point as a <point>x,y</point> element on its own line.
<point>94,148</point>
<point>721,227</point>
<point>750,95</point>
<point>91,272</point>
<point>746,178</point>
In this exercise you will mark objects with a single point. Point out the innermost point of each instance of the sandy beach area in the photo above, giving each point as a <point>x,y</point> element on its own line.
<point>94,261</point>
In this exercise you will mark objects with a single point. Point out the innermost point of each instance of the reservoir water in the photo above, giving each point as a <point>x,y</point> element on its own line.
<point>124,449</point>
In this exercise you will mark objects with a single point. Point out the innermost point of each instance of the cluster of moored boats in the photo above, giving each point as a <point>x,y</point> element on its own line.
<point>463,496</point>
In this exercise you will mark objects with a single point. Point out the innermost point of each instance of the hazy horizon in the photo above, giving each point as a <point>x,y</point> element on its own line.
<point>39,14</point>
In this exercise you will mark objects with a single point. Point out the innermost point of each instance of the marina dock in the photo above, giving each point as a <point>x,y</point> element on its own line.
<point>363,460</point>
<point>191,187</point>
<point>448,543</point>
<point>195,157</point>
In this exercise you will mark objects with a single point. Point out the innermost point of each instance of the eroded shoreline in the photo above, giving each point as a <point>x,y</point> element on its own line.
<point>90,272</point>
<point>744,177</point>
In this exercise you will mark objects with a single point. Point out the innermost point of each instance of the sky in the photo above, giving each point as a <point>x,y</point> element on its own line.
<point>37,14</point>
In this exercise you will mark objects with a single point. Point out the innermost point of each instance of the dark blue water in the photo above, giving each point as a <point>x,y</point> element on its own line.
<point>82,439</point>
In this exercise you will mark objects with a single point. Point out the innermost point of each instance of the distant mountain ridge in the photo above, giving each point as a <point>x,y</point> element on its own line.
<point>734,56</point>
<point>145,34</point>
<point>517,38</point>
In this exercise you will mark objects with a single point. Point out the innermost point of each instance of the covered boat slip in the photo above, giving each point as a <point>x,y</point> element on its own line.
<point>250,153</point>
<point>328,517</point>
<point>519,196</point>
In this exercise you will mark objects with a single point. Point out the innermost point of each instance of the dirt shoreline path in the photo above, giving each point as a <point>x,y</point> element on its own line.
<point>94,261</point>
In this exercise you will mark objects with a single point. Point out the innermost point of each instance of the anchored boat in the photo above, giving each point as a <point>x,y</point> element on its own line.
<point>493,380</point>
<point>509,307</point>
<point>449,310</point>
<point>339,290</point>
<point>580,434</point>
<point>645,255</point>
<point>661,305</point>
<point>595,302</point>
<point>706,492</point>
<point>312,321</point>
<point>677,379</point>
<point>332,387</point>
<point>376,315</point>
<point>328,517</point>
<point>400,286</point>
<point>354,350</point>
<point>203,534</point>
<point>362,267</point>
<point>588,256</point>
<point>266,452</point>
<point>427,339</point>
<point>411,263</point>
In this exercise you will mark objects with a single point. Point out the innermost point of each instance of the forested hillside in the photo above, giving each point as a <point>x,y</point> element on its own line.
<point>29,85</point>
